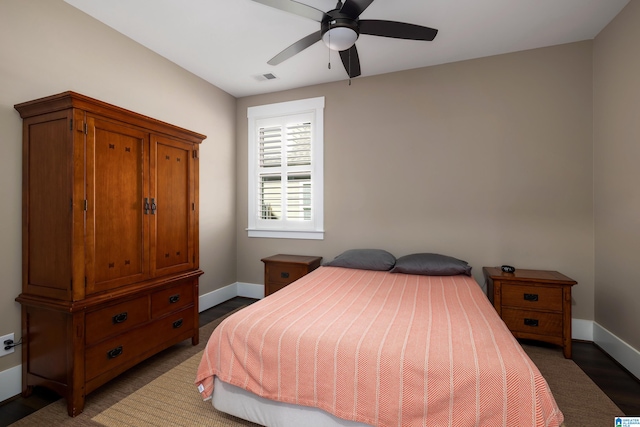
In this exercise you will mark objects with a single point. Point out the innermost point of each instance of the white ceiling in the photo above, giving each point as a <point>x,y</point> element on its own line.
<point>228,42</point>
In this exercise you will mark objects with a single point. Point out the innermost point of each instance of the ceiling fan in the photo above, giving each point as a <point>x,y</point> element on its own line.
<point>340,28</point>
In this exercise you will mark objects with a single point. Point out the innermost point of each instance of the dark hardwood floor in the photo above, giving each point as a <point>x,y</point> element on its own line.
<point>618,383</point>
<point>621,387</point>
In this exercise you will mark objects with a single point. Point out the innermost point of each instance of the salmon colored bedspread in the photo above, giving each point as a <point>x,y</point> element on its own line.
<point>382,349</point>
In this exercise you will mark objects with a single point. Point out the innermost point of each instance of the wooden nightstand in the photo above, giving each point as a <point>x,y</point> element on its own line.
<point>535,304</point>
<point>280,270</point>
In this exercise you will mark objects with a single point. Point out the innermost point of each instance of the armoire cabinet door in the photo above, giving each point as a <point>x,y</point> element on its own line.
<point>173,220</point>
<point>47,220</point>
<point>117,221</point>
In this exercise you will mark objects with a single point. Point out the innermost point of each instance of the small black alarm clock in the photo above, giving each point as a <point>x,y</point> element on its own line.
<point>508,269</point>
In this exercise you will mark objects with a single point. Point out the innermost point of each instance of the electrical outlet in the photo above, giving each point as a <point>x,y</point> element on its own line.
<point>3,338</point>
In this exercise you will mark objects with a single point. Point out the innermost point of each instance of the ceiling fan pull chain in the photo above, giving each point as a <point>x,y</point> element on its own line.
<point>329,50</point>
<point>349,67</point>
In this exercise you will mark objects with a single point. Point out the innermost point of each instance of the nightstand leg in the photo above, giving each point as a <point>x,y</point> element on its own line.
<point>566,350</point>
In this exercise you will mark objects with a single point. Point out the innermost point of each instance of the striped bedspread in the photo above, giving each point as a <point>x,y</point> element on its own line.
<point>382,349</point>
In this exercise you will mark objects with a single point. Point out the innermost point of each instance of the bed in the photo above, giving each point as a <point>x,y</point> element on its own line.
<point>352,347</point>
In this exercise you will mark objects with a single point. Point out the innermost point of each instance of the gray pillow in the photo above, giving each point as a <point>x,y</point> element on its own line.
<point>431,265</point>
<point>364,259</point>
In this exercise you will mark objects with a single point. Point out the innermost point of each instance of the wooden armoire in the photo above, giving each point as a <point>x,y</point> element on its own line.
<point>110,242</point>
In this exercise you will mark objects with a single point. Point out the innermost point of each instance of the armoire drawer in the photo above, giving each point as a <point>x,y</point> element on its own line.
<point>171,299</point>
<point>116,319</point>
<point>174,325</point>
<point>123,349</point>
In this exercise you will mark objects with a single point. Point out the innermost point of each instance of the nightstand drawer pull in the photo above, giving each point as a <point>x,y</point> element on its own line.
<point>531,297</point>
<point>174,298</point>
<point>119,318</point>
<point>112,354</point>
<point>284,275</point>
<point>531,322</point>
<point>177,324</point>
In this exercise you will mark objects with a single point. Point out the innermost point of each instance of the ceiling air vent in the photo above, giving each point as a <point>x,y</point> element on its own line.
<point>266,76</point>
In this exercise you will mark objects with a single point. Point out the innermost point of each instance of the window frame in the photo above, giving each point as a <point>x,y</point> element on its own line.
<point>287,229</point>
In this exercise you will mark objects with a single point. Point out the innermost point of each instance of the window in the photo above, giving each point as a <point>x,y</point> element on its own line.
<point>286,170</point>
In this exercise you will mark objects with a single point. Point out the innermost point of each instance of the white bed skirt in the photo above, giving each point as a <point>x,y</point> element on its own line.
<point>248,406</point>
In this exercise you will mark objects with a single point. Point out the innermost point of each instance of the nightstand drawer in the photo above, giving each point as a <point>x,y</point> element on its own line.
<point>280,270</point>
<point>533,322</point>
<point>532,297</point>
<point>285,273</point>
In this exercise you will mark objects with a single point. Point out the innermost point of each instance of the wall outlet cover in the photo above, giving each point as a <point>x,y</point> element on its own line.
<point>3,338</point>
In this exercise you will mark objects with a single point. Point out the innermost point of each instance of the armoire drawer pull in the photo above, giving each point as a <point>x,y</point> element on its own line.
<point>112,354</point>
<point>119,318</point>
<point>531,297</point>
<point>174,298</point>
<point>531,322</point>
<point>177,324</point>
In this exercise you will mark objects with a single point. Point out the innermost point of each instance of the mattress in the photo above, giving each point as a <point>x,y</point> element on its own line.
<point>266,412</point>
<point>381,349</point>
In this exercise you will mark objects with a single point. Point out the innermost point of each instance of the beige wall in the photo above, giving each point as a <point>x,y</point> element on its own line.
<point>48,47</point>
<point>617,174</point>
<point>488,160</point>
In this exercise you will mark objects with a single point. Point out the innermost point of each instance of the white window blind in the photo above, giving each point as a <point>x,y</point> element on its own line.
<point>285,171</point>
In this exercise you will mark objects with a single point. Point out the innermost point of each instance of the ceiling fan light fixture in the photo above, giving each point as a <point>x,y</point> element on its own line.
<point>340,37</point>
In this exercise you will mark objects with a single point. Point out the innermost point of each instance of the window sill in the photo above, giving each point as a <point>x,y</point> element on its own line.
<point>286,234</point>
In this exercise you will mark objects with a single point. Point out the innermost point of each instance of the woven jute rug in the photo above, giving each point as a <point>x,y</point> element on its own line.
<point>169,400</point>
<point>160,392</point>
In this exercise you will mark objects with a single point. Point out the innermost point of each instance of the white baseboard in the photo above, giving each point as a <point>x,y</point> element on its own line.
<point>216,297</point>
<point>622,352</point>
<point>10,382</point>
<point>238,289</point>
<point>250,290</point>
<point>582,329</point>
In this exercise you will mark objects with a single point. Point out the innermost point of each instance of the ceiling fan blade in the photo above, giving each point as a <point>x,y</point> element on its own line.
<point>351,61</point>
<point>398,30</point>
<point>296,8</point>
<point>296,48</point>
<point>354,8</point>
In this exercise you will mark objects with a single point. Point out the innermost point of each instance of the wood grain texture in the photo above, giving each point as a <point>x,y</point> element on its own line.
<point>108,279</point>
<point>535,304</point>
